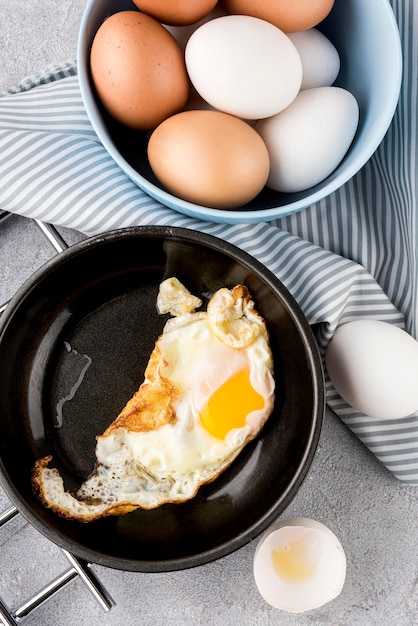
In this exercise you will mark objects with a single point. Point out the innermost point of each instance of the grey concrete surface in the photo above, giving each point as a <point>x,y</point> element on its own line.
<point>374,516</point>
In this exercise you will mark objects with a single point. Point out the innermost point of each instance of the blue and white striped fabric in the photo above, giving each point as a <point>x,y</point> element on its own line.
<point>352,255</point>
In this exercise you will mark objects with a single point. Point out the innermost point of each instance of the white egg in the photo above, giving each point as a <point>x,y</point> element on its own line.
<point>207,391</point>
<point>243,66</point>
<point>299,565</point>
<point>309,138</point>
<point>373,365</point>
<point>320,58</point>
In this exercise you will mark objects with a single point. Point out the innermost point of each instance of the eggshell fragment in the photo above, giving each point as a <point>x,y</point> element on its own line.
<point>373,365</point>
<point>309,138</point>
<point>180,13</point>
<point>209,158</point>
<point>289,15</point>
<point>138,70</point>
<point>299,565</point>
<point>243,66</point>
<point>320,58</point>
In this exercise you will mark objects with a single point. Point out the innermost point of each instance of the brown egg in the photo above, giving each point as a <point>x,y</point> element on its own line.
<point>288,15</point>
<point>138,70</point>
<point>209,158</point>
<point>179,13</point>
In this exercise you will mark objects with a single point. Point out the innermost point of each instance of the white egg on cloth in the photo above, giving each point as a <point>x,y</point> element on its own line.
<point>299,565</point>
<point>308,140</point>
<point>373,366</point>
<point>208,390</point>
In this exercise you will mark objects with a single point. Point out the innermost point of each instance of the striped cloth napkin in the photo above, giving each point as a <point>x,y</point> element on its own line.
<point>352,255</point>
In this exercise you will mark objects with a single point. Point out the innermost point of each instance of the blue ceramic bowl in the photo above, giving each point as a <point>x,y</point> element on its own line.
<point>366,36</point>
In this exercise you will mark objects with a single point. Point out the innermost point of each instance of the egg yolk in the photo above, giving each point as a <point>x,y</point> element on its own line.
<point>230,404</point>
<point>296,561</point>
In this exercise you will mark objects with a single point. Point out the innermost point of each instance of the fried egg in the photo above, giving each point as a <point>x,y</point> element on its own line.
<point>208,390</point>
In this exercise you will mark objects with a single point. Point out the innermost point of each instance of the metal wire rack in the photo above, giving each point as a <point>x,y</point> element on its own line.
<point>78,568</point>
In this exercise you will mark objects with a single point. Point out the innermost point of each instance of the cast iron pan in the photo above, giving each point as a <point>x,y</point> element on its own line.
<point>74,343</point>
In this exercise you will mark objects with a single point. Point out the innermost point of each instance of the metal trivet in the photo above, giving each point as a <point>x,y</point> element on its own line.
<point>78,567</point>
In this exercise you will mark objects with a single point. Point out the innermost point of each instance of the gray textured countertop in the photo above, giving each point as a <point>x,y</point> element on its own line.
<point>373,515</point>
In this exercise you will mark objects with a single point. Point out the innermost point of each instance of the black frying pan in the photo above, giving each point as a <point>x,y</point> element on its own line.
<point>74,343</point>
